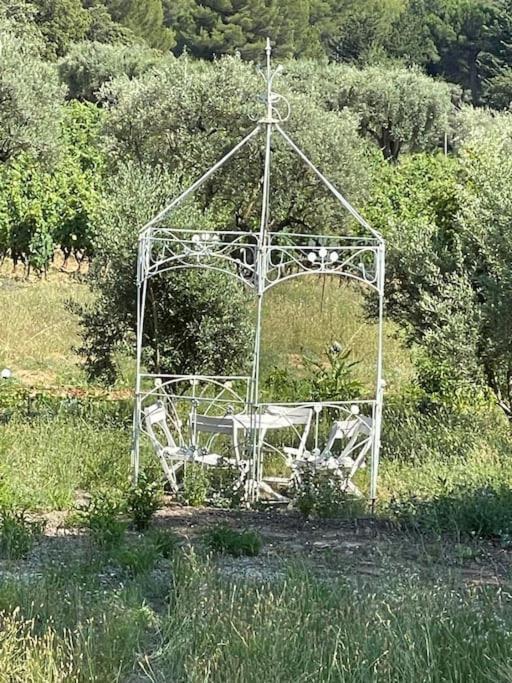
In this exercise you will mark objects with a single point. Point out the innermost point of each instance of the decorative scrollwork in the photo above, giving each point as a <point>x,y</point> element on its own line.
<point>234,253</point>
<point>356,259</point>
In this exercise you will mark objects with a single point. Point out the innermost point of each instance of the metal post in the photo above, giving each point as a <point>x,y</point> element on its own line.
<point>141,303</point>
<point>261,262</point>
<point>380,381</point>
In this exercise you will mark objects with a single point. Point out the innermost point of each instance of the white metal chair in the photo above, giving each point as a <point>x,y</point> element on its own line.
<point>356,434</point>
<point>171,456</point>
<point>218,425</point>
<point>285,416</point>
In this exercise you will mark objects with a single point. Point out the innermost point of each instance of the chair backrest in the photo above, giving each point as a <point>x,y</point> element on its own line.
<point>156,422</point>
<point>355,432</point>
<point>294,416</point>
<point>211,424</point>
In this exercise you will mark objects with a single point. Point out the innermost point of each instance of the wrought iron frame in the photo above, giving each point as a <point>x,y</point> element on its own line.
<point>260,260</point>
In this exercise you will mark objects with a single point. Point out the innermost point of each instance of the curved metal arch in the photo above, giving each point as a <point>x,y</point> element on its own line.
<point>202,266</point>
<point>328,273</point>
<point>217,382</point>
<point>331,259</point>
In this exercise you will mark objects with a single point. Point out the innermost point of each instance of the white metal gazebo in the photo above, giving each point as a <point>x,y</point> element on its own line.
<point>223,421</point>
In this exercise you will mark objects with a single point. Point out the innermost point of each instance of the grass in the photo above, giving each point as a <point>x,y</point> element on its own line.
<point>187,623</point>
<point>43,463</point>
<point>307,315</point>
<point>38,333</point>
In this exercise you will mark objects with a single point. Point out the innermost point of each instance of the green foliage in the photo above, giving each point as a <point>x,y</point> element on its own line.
<point>326,378</point>
<point>333,378</point>
<point>30,98</point>
<point>18,533</point>
<point>447,225</point>
<point>222,539</point>
<point>363,27</point>
<point>144,499</point>
<point>87,66</point>
<point>210,29</point>
<point>178,120</point>
<point>198,321</point>
<point>195,485</point>
<point>62,22</point>
<point>145,18</point>
<point>484,512</point>
<point>320,495</point>
<point>417,428</point>
<point>136,557</point>
<point>165,542</point>
<point>102,517</point>
<point>398,108</point>
<point>31,200</point>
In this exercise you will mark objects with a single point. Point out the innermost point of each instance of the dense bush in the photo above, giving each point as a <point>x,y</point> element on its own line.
<point>448,281</point>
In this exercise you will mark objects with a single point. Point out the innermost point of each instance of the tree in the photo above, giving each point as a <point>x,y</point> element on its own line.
<point>214,28</point>
<point>499,89</point>
<point>211,27</point>
<point>103,29</point>
<point>30,99</point>
<point>362,27</point>
<point>417,32</point>
<point>88,66</point>
<point>61,22</point>
<point>198,321</point>
<point>485,222</point>
<point>466,41</point>
<point>145,18</point>
<point>398,108</point>
<point>448,226</point>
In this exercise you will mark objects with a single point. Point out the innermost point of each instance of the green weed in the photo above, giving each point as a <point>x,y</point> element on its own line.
<point>144,499</point>
<point>18,533</point>
<point>102,517</point>
<point>223,539</point>
<point>321,495</point>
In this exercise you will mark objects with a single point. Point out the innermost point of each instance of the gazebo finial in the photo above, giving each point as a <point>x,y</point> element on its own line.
<point>272,99</point>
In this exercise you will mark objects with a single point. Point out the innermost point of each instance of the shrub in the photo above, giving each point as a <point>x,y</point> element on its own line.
<point>17,533</point>
<point>144,499</point>
<point>165,542</point>
<point>485,511</point>
<point>200,320</point>
<point>320,494</point>
<point>223,539</point>
<point>195,485</point>
<point>103,519</point>
<point>329,377</point>
<point>136,557</point>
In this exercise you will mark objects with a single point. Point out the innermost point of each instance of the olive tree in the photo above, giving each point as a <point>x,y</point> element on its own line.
<point>399,108</point>
<point>197,322</point>
<point>485,222</point>
<point>448,224</point>
<point>30,98</point>
<point>89,65</point>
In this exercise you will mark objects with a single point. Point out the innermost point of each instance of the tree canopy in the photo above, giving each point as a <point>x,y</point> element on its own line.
<point>30,98</point>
